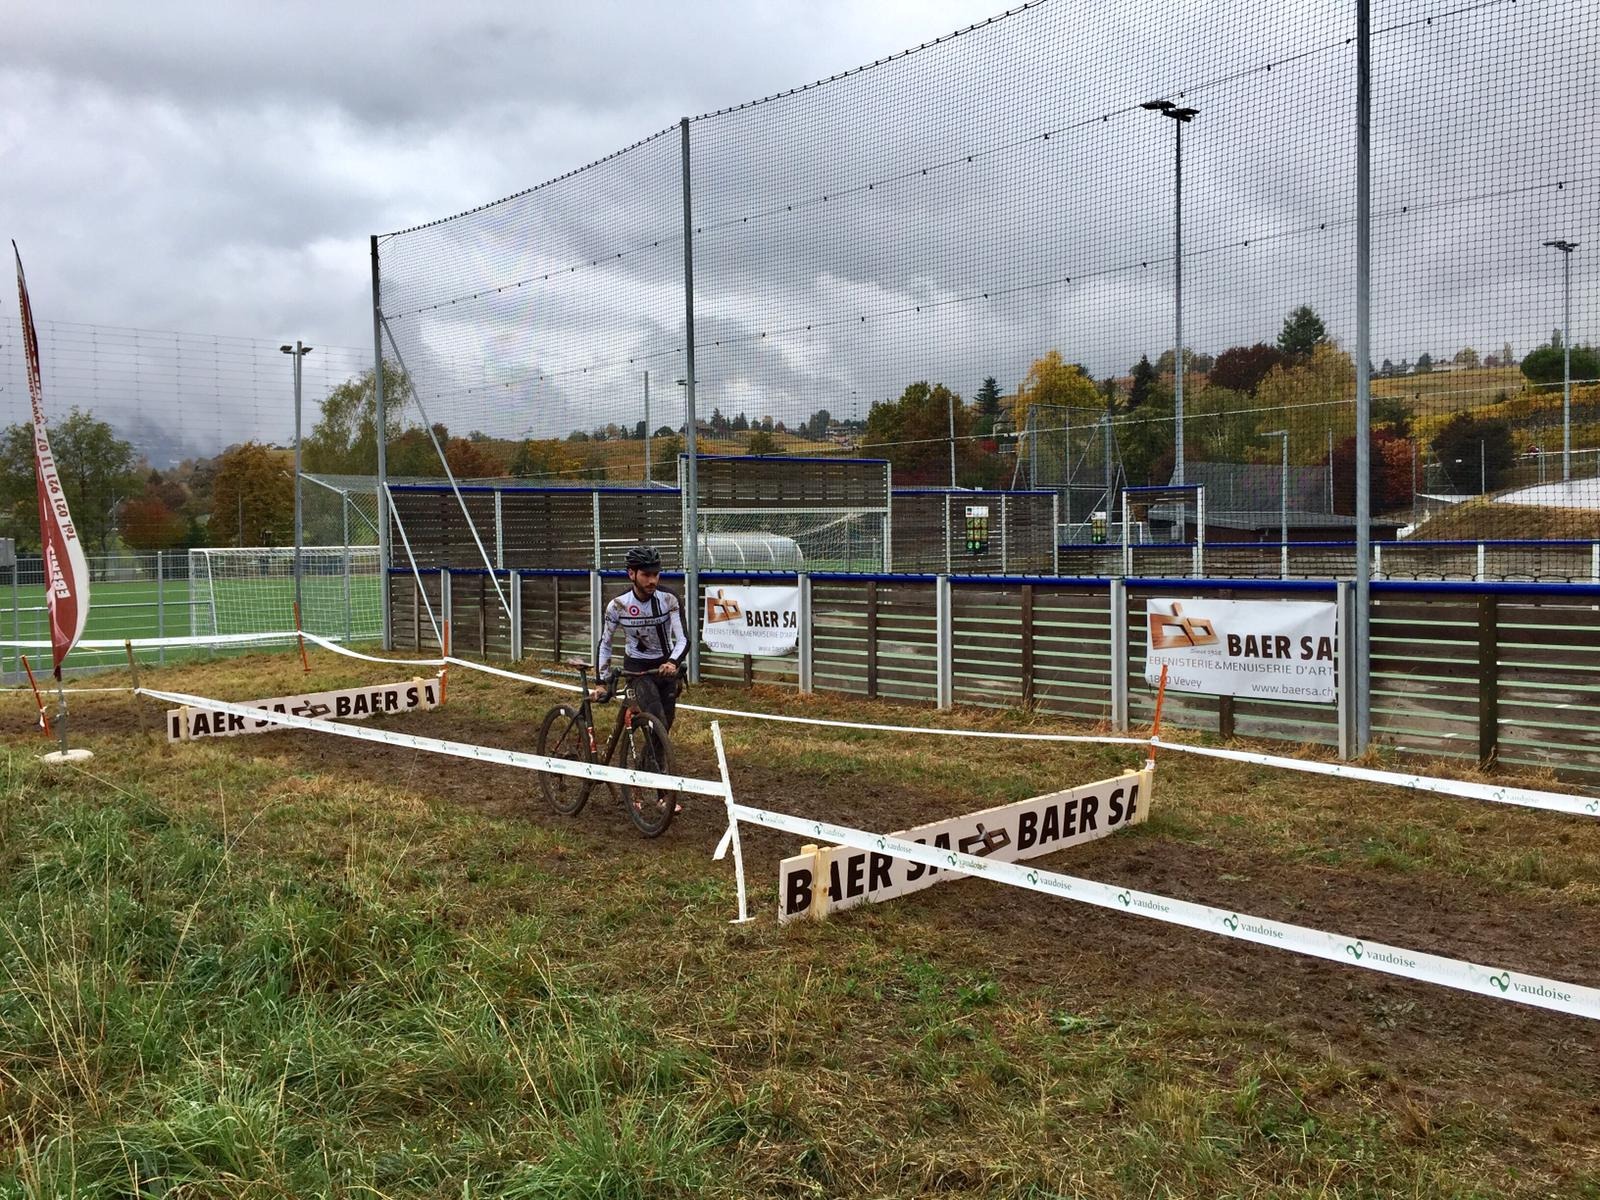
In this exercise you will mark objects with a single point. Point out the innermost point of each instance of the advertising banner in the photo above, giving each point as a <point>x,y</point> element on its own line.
<point>847,877</point>
<point>1263,649</point>
<point>66,571</point>
<point>763,621</point>
<point>351,704</point>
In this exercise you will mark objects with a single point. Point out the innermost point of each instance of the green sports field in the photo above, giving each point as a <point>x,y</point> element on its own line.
<point>145,608</point>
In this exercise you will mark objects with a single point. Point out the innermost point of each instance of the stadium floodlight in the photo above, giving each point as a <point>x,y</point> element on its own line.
<point>1566,249</point>
<point>1180,117</point>
<point>299,350</point>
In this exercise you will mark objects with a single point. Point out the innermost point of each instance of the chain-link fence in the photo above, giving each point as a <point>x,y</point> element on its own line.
<point>1075,248</point>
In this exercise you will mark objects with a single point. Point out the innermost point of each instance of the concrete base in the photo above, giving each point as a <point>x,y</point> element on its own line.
<point>61,758</point>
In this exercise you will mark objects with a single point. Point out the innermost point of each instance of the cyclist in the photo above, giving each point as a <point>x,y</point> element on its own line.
<point>656,643</point>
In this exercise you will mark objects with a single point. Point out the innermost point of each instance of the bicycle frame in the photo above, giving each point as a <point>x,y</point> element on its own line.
<point>625,712</point>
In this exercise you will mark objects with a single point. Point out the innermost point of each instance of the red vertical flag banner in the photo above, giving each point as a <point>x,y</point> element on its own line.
<point>66,572</point>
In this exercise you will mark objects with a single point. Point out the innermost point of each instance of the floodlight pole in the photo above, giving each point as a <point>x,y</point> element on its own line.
<point>1180,117</point>
<point>1566,249</point>
<point>1361,660</point>
<point>691,482</point>
<point>299,350</point>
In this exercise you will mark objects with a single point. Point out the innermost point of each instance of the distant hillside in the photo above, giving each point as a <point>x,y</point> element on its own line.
<point>1477,520</point>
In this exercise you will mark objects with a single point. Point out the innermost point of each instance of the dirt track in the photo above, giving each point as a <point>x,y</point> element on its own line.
<point>1411,1028</point>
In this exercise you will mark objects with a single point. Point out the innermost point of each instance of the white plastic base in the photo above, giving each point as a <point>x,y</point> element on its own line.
<point>59,758</point>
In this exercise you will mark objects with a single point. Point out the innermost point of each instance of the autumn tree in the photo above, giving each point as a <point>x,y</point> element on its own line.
<point>148,525</point>
<point>1143,381</point>
<point>537,457</point>
<point>761,442</point>
<point>1054,383</point>
<point>252,497</point>
<point>1242,368</point>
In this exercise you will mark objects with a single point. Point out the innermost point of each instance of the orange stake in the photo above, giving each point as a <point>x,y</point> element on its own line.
<point>299,633</point>
<point>444,669</point>
<point>44,716</point>
<point>1155,724</point>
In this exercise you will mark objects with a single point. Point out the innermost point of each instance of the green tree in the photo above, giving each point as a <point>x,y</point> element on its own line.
<point>816,427</point>
<point>1471,448</point>
<point>1424,364</point>
<point>741,424</point>
<point>761,442</point>
<point>252,498</point>
<point>664,455</point>
<point>987,403</point>
<point>913,434</point>
<point>1144,378</point>
<point>1302,330</point>
<point>1546,364</point>
<point>98,471</point>
<point>1466,358</point>
<point>344,439</point>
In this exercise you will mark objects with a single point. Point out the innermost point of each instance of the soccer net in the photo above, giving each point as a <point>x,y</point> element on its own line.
<point>251,590</point>
<point>775,539</point>
<point>1164,527</point>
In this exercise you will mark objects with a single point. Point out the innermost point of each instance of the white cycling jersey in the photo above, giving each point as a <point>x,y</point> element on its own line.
<point>653,628</point>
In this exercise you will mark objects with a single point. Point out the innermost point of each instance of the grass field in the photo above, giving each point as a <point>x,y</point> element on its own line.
<point>148,609</point>
<point>296,965</point>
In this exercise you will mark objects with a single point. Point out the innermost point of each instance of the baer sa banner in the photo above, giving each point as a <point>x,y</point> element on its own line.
<point>66,571</point>
<point>762,621</point>
<point>1262,649</point>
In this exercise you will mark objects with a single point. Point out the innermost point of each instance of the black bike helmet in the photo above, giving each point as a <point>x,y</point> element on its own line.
<point>644,558</point>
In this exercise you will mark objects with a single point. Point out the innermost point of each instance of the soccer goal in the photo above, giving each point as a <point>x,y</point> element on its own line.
<point>1169,523</point>
<point>793,514</point>
<point>251,590</point>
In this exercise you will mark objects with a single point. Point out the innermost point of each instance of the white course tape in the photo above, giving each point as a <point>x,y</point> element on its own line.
<point>336,648</point>
<point>1497,983</point>
<point>223,639</point>
<point>513,758</point>
<point>1583,806</point>
<point>1500,794</point>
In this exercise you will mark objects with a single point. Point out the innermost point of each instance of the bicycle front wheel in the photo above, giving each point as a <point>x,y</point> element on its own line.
<point>564,735</point>
<point>646,747</point>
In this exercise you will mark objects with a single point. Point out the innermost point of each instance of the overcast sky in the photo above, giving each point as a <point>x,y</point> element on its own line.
<point>217,169</point>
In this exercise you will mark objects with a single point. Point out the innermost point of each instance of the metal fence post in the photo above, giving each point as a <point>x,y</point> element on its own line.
<point>1482,564</point>
<point>516,616</point>
<point>1005,523</point>
<point>1342,648</point>
<point>499,531</point>
<point>948,501</point>
<point>445,605</point>
<point>594,520</point>
<point>1055,533</point>
<point>344,521</point>
<point>691,481</point>
<point>596,614</point>
<point>1594,561</point>
<point>945,649</point>
<point>1119,655</point>
<point>161,609</point>
<point>807,665</point>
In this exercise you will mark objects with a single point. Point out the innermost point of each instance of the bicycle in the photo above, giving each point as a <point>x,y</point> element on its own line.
<point>569,733</point>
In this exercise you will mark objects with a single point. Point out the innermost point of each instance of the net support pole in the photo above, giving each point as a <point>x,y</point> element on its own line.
<point>1362,658</point>
<point>807,649</point>
<point>691,493</point>
<point>161,608</point>
<point>380,436</point>
<point>299,521</point>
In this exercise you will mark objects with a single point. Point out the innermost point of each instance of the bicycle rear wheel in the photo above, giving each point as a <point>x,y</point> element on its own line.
<point>646,747</point>
<point>564,735</point>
